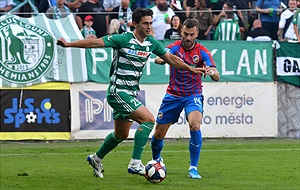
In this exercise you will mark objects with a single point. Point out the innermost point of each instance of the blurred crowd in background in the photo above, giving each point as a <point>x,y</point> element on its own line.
<point>223,20</point>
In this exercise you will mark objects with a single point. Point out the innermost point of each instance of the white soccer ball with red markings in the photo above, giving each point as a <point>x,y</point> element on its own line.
<point>155,171</point>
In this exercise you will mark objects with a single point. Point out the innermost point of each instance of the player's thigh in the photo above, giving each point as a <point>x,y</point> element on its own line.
<point>194,118</point>
<point>142,114</point>
<point>193,111</point>
<point>123,105</point>
<point>170,109</point>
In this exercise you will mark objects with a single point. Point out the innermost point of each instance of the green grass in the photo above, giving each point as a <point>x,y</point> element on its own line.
<point>259,164</point>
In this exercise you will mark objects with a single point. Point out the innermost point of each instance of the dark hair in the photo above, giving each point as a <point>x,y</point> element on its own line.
<point>139,13</point>
<point>202,3</point>
<point>180,23</point>
<point>190,23</point>
<point>229,4</point>
<point>229,14</point>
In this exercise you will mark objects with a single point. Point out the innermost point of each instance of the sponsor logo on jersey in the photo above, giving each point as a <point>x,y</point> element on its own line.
<point>137,53</point>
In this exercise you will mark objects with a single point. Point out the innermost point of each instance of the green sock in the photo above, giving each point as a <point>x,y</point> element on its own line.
<point>110,142</point>
<point>140,139</point>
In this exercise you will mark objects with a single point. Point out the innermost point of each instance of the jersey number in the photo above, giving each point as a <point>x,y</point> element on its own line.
<point>135,102</point>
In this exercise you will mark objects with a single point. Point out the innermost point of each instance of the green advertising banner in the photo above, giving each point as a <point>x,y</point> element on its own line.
<point>29,54</point>
<point>237,61</point>
<point>288,63</point>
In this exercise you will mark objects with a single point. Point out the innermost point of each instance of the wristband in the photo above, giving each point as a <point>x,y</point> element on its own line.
<point>212,73</point>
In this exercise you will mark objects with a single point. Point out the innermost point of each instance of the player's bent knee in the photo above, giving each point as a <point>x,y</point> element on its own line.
<point>122,135</point>
<point>158,135</point>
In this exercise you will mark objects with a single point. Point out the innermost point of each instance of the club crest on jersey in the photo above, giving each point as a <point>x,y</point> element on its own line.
<point>160,115</point>
<point>196,58</point>
<point>28,51</point>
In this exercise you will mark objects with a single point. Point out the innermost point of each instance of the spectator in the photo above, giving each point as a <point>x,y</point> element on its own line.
<point>175,5</point>
<point>234,6</point>
<point>296,22</point>
<point>114,26</point>
<point>270,12</point>
<point>244,6</point>
<point>100,18</point>
<point>140,4</point>
<point>124,14</point>
<point>74,5</point>
<point>44,5</point>
<point>174,33</point>
<point>204,16</point>
<point>109,5</point>
<point>217,6</point>
<point>188,5</point>
<point>87,31</point>
<point>58,11</point>
<point>221,16</point>
<point>286,27</point>
<point>258,34</point>
<point>228,30</point>
<point>5,6</point>
<point>161,19</point>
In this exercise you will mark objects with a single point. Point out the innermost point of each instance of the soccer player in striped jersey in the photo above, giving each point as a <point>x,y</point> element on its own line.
<point>131,52</point>
<point>185,92</point>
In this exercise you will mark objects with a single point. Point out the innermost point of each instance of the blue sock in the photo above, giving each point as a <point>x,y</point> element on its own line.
<point>195,147</point>
<point>157,146</point>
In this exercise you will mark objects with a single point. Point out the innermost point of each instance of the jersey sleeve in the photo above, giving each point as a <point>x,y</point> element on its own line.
<point>173,48</point>
<point>157,48</point>
<point>115,41</point>
<point>207,57</point>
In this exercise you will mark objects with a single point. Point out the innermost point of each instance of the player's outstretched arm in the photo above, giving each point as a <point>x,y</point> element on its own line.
<point>179,64</point>
<point>85,43</point>
<point>159,61</point>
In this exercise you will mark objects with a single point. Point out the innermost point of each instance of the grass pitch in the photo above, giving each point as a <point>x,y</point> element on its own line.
<point>241,164</point>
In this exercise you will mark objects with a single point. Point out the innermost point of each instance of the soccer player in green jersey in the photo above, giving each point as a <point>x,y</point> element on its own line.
<point>131,52</point>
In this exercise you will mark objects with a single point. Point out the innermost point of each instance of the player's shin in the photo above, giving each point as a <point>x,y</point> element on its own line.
<point>156,146</point>
<point>140,139</point>
<point>195,146</point>
<point>110,142</point>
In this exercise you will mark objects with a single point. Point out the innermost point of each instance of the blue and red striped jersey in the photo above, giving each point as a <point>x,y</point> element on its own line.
<point>186,83</point>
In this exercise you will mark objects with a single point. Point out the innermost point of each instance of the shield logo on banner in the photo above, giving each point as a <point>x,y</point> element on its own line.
<point>27,51</point>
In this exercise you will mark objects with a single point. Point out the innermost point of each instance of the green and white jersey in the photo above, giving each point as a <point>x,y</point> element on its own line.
<point>129,60</point>
<point>227,30</point>
<point>296,19</point>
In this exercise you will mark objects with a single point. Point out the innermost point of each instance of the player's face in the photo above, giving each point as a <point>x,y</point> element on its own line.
<point>144,27</point>
<point>188,36</point>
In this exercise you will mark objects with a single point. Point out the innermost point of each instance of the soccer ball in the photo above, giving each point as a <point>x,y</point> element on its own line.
<point>155,171</point>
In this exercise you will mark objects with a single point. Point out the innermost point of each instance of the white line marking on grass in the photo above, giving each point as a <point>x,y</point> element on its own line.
<point>121,151</point>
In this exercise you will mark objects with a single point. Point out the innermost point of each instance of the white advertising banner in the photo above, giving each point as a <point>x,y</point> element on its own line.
<point>230,110</point>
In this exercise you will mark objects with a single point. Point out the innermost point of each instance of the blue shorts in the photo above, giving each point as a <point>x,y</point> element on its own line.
<point>172,106</point>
